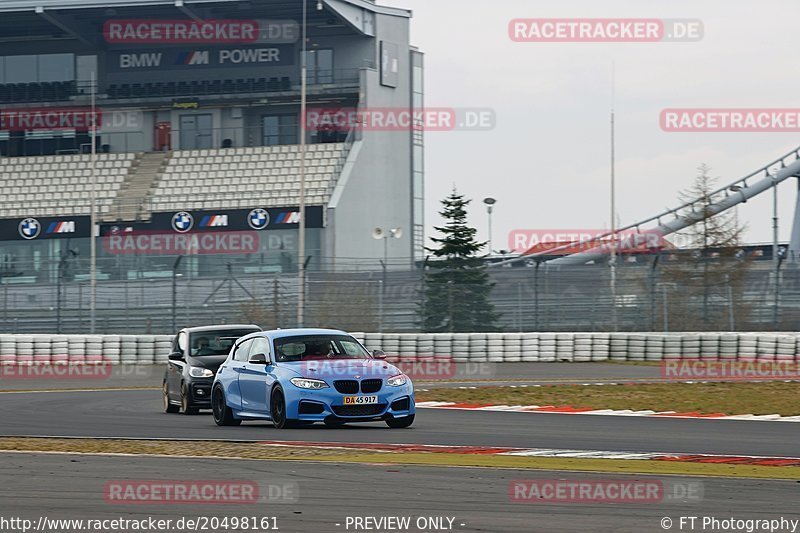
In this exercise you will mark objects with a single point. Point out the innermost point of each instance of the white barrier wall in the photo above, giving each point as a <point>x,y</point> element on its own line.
<point>461,347</point>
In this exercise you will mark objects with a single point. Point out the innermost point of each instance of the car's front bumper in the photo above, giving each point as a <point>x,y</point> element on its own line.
<point>200,392</point>
<point>328,404</point>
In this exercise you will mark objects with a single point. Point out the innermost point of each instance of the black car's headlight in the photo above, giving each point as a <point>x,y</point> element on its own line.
<point>200,372</point>
<point>397,381</point>
<point>306,383</point>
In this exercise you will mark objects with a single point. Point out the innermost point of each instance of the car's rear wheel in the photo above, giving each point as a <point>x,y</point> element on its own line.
<point>168,406</point>
<point>223,415</point>
<point>399,423</point>
<point>186,407</point>
<point>278,411</point>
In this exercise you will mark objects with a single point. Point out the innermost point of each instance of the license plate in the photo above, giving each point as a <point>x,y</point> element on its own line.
<point>360,400</point>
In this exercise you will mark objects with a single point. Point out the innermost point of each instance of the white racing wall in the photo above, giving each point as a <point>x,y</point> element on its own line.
<point>493,347</point>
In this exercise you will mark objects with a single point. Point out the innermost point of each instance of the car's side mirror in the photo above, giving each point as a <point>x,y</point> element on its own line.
<point>175,356</point>
<point>258,359</point>
<point>378,354</point>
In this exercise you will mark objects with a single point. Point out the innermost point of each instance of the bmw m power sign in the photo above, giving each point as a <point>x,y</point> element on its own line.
<point>36,228</point>
<point>266,55</point>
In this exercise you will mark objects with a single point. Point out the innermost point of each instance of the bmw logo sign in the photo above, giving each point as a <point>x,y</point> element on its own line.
<point>258,218</point>
<point>29,228</point>
<point>182,222</point>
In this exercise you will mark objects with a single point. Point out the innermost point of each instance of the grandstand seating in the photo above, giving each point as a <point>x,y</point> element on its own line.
<point>59,185</point>
<point>229,178</point>
<point>201,87</point>
<point>37,92</point>
<point>237,177</point>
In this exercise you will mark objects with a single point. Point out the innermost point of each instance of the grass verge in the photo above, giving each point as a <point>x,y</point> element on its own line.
<point>729,398</point>
<point>213,449</point>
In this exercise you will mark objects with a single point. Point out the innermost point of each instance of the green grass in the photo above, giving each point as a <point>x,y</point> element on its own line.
<point>729,398</point>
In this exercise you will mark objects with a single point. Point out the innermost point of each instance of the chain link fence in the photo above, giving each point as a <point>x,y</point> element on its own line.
<point>649,297</point>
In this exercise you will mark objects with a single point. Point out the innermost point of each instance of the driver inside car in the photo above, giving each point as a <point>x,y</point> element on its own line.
<point>318,350</point>
<point>203,347</point>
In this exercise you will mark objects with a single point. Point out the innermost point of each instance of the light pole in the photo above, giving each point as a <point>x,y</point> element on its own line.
<point>380,233</point>
<point>301,240</point>
<point>93,214</point>
<point>489,205</point>
<point>776,260</point>
<point>612,263</point>
<point>175,274</point>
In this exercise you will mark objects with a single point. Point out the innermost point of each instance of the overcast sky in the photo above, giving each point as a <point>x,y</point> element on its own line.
<point>547,160</point>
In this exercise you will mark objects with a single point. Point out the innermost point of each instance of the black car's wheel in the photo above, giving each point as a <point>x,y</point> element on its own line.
<point>278,411</point>
<point>223,415</point>
<point>186,407</point>
<point>168,407</point>
<point>399,423</point>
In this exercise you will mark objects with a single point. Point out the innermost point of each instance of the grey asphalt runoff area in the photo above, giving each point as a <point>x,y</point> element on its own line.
<point>323,495</point>
<point>138,414</point>
<point>441,375</point>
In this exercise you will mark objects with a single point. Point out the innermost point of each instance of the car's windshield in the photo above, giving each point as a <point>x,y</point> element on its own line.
<point>215,342</point>
<point>308,347</point>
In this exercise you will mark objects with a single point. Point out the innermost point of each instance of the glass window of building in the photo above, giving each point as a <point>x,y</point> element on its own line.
<point>279,129</point>
<point>56,67</point>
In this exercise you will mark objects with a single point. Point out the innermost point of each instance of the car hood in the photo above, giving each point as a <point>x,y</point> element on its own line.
<point>343,369</point>
<point>211,362</point>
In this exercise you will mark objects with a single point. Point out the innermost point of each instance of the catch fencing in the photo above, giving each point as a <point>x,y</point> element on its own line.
<point>529,298</point>
<point>458,347</point>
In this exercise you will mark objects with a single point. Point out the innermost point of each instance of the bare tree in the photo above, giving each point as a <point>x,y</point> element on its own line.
<point>709,269</point>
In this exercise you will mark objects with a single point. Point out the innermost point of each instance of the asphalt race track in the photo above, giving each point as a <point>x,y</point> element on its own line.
<point>462,374</point>
<point>137,414</point>
<point>328,493</point>
<point>477,499</point>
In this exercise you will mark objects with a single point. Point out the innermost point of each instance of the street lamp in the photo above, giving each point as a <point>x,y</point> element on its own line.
<point>301,240</point>
<point>380,233</point>
<point>489,205</point>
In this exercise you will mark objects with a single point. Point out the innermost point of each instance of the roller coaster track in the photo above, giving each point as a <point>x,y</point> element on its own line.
<point>678,218</point>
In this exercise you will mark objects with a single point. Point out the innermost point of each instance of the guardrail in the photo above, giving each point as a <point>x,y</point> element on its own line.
<point>459,347</point>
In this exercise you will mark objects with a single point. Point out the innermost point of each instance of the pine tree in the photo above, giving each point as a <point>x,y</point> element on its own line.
<point>457,286</point>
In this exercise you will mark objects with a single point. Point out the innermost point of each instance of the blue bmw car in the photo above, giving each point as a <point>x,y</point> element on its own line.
<point>297,377</point>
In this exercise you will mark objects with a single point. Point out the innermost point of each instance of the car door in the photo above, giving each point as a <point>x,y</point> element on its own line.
<point>229,371</point>
<point>255,379</point>
<point>175,368</point>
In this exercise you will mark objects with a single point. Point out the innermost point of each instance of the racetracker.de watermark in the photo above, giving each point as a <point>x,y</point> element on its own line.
<point>206,492</point>
<point>590,491</point>
<point>417,368</point>
<point>165,243</point>
<point>67,367</point>
<point>606,30</point>
<point>570,241</point>
<point>709,120</point>
<point>343,119</point>
<point>736,370</point>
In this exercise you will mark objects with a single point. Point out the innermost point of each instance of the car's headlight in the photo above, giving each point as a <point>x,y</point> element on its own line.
<point>397,381</point>
<point>305,383</point>
<point>200,372</point>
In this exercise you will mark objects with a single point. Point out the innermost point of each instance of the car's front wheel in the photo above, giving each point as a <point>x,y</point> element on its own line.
<point>223,415</point>
<point>169,407</point>
<point>399,423</point>
<point>278,411</point>
<point>186,407</point>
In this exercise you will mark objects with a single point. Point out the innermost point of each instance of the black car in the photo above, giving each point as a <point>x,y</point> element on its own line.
<point>196,355</point>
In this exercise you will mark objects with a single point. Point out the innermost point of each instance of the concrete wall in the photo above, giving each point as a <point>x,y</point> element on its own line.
<point>379,187</point>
